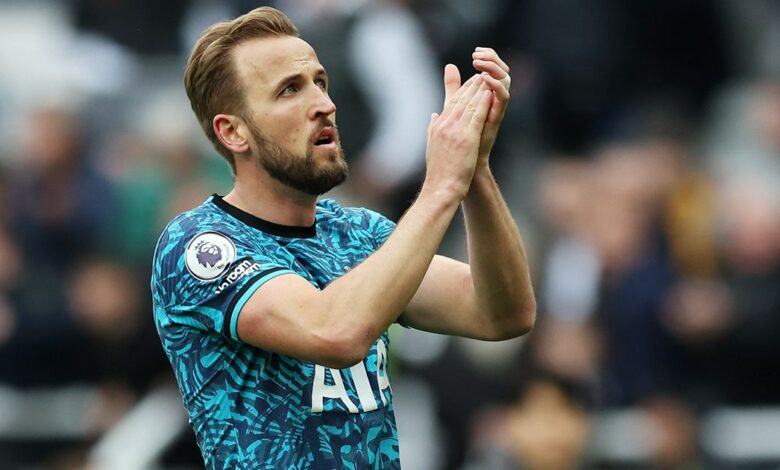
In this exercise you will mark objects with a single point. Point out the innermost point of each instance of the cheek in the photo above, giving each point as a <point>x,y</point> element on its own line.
<point>288,130</point>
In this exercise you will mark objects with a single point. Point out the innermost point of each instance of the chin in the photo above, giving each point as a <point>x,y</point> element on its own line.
<point>333,155</point>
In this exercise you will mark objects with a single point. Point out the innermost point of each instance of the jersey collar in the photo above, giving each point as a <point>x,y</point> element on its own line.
<point>286,231</point>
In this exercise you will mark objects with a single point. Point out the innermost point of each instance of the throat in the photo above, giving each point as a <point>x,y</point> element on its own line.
<point>274,202</point>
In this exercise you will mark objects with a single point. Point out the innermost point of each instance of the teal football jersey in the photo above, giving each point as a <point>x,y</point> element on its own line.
<point>252,408</point>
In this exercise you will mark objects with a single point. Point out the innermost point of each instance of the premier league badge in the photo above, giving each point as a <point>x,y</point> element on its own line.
<point>209,255</point>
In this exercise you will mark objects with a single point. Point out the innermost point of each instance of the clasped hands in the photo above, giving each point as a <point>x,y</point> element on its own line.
<point>468,124</point>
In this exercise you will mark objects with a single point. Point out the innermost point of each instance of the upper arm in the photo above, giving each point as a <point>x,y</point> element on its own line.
<point>202,278</point>
<point>289,315</point>
<point>222,284</point>
<point>446,301</point>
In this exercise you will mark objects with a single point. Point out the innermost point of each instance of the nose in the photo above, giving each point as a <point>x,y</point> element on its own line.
<point>323,105</point>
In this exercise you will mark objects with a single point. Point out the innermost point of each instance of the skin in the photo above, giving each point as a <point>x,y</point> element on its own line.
<point>490,298</point>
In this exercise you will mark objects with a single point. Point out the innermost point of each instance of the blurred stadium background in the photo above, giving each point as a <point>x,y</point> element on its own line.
<point>640,155</point>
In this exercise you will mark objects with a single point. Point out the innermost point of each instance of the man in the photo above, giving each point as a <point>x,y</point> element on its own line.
<point>273,307</point>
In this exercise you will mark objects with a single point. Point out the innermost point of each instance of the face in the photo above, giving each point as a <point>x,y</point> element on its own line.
<point>307,173</point>
<point>290,115</point>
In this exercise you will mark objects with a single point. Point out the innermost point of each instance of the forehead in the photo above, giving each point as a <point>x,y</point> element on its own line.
<point>268,60</point>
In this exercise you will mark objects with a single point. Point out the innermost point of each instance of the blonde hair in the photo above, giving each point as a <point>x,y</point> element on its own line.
<point>210,77</point>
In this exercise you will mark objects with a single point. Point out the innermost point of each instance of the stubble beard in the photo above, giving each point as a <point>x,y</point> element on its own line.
<point>301,172</point>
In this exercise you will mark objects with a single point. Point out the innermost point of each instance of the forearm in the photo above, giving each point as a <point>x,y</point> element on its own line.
<point>337,325</point>
<point>497,258</point>
<point>382,286</point>
<point>375,292</point>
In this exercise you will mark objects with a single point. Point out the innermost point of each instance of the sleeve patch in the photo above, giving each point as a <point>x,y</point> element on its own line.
<point>209,255</point>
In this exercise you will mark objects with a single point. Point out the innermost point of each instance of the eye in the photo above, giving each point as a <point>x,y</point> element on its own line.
<point>322,83</point>
<point>289,90</point>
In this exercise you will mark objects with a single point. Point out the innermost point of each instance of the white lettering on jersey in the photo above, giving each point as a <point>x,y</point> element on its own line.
<point>245,268</point>
<point>366,395</point>
<point>381,370</point>
<point>320,391</point>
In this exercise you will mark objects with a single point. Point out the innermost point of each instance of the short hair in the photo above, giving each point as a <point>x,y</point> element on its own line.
<point>210,78</point>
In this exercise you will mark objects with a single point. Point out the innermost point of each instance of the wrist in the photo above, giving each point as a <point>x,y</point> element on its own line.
<point>482,175</point>
<point>482,185</point>
<point>447,193</point>
<point>483,166</point>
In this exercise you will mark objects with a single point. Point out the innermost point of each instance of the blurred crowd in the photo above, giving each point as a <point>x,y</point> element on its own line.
<point>640,155</point>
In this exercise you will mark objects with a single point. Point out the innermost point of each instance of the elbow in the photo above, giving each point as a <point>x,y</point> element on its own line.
<point>340,349</point>
<point>525,319</point>
<point>527,324</point>
<point>517,323</point>
<point>338,362</point>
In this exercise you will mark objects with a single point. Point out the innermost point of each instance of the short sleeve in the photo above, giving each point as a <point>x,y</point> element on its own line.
<point>203,276</point>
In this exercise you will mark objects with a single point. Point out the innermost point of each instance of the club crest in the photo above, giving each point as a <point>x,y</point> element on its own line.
<point>209,255</point>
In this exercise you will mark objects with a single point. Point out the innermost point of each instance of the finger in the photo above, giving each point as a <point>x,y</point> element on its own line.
<point>456,103</point>
<point>434,117</point>
<point>480,113</point>
<point>501,98</point>
<point>466,97</point>
<point>451,81</point>
<point>449,105</point>
<point>497,87</point>
<point>491,68</point>
<point>471,106</point>
<point>486,53</point>
<point>507,82</point>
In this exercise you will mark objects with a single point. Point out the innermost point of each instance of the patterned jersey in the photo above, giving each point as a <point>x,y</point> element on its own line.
<point>252,408</point>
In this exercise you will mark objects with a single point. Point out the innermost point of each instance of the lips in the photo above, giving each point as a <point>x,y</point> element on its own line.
<point>326,136</point>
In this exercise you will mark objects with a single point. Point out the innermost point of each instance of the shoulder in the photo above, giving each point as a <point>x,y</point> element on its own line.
<point>182,228</point>
<point>204,234</point>
<point>367,223</point>
<point>208,218</point>
<point>330,208</point>
<point>204,248</point>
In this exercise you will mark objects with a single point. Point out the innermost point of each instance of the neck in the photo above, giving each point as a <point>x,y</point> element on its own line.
<point>266,198</point>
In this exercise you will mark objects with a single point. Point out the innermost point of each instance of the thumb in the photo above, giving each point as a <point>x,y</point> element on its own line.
<point>451,81</point>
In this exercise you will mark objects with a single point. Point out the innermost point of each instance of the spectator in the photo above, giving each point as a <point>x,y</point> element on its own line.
<point>546,428</point>
<point>60,212</point>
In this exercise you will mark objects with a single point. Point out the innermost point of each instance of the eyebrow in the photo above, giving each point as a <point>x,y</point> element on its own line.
<point>320,72</point>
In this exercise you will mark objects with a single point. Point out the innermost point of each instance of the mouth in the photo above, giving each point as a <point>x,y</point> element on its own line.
<point>325,138</point>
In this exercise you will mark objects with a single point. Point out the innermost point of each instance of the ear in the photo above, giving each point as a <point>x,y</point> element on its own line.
<point>232,132</point>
